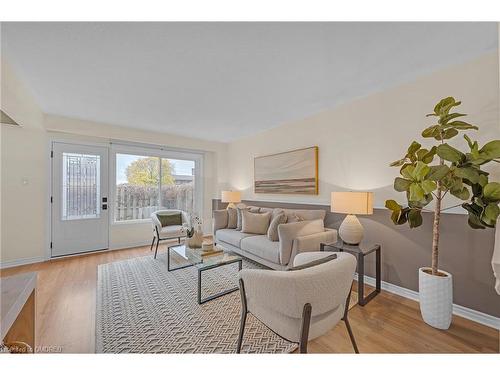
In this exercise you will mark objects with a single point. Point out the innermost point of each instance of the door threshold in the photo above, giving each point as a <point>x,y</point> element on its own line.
<point>78,254</point>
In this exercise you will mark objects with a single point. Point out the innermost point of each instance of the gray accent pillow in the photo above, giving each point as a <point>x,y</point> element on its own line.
<point>272,232</point>
<point>314,263</point>
<point>232,218</point>
<point>239,210</point>
<point>255,223</point>
<point>170,218</point>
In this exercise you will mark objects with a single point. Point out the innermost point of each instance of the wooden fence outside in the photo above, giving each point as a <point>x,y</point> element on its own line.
<point>134,202</point>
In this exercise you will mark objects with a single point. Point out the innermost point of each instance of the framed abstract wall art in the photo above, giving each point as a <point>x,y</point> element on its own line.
<point>291,172</point>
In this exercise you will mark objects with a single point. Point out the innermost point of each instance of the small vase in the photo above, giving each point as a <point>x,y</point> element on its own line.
<point>436,298</point>
<point>196,240</point>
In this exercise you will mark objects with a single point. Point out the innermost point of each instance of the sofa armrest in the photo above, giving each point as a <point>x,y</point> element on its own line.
<point>309,256</point>
<point>219,221</point>
<point>312,242</point>
<point>287,233</point>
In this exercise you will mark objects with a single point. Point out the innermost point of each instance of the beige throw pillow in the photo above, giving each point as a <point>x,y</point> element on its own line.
<point>239,210</point>
<point>232,218</point>
<point>272,232</point>
<point>254,223</point>
<point>276,212</point>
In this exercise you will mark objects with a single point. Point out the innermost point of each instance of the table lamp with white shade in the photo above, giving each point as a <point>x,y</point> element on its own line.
<point>352,203</point>
<point>231,197</point>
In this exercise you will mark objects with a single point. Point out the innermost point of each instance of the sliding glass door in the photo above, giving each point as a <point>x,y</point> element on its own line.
<point>178,184</point>
<point>146,182</point>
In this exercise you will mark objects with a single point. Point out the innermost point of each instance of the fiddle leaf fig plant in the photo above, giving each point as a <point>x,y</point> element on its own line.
<point>429,174</point>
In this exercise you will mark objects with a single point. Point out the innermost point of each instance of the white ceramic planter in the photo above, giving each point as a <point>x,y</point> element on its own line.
<point>436,298</point>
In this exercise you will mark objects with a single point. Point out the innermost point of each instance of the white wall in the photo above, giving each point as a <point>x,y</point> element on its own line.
<point>132,234</point>
<point>359,139</point>
<point>25,171</point>
<point>24,162</point>
<point>356,142</point>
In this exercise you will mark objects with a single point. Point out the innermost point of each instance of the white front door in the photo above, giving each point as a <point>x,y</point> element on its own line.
<point>79,198</point>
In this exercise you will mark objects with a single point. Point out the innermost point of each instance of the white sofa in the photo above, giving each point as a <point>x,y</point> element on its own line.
<point>294,238</point>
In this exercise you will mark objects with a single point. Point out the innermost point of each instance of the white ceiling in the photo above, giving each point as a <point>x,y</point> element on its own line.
<point>223,81</point>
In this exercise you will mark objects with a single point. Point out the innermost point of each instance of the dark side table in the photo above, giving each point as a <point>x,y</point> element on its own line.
<point>360,251</point>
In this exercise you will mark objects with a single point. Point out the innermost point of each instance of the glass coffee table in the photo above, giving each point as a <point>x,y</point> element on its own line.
<point>204,261</point>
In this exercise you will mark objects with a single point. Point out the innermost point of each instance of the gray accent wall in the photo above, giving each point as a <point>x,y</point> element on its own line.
<point>464,252</point>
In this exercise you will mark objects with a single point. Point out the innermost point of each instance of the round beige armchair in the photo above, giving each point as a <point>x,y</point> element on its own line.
<point>302,303</point>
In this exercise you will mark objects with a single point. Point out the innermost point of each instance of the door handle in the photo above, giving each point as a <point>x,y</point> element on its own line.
<point>104,206</point>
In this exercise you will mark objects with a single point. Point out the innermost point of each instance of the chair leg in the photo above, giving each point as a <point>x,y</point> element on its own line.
<point>152,244</point>
<point>244,313</point>
<point>346,321</point>
<point>242,331</point>
<point>304,331</point>
<point>157,242</point>
<point>351,336</point>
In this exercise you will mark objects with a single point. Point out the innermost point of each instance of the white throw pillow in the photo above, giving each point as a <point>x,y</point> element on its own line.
<point>255,223</point>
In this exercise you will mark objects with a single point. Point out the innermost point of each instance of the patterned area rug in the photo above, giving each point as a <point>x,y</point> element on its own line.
<point>143,308</point>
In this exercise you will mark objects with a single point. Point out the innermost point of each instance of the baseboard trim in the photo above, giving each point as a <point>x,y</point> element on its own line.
<point>130,245</point>
<point>462,311</point>
<point>25,261</point>
<point>21,262</point>
<point>142,243</point>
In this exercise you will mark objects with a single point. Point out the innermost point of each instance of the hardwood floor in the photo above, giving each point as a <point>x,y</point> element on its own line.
<point>66,297</point>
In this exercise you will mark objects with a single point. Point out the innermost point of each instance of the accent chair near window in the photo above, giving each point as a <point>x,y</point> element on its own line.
<point>167,225</point>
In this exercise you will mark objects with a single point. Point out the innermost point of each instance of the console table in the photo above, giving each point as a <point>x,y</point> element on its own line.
<point>360,251</point>
<point>17,313</point>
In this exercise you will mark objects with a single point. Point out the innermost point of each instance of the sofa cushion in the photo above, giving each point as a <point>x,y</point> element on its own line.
<point>231,236</point>
<point>255,223</point>
<point>262,247</point>
<point>172,231</point>
<point>272,232</point>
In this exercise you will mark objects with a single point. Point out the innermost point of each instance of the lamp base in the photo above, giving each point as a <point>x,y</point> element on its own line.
<point>231,205</point>
<point>351,230</point>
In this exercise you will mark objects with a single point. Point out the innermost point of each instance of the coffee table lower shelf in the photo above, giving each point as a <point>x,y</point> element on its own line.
<point>196,260</point>
<point>220,294</point>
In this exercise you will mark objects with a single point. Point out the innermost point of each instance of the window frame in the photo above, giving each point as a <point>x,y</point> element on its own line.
<point>165,153</point>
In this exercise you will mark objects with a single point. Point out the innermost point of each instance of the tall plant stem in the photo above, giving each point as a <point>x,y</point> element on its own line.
<point>435,227</point>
